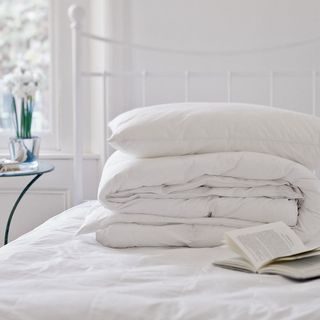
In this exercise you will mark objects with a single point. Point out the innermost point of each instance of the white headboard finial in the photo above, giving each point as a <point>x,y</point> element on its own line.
<point>76,15</point>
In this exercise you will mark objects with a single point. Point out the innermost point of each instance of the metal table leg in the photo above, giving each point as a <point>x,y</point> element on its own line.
<point>6,236</point>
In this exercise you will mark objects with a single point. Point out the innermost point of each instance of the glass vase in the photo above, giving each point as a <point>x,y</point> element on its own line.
<point>25,151</point>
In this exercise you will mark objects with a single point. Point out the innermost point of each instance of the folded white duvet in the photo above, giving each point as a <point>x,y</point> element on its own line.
<point>192,200</point>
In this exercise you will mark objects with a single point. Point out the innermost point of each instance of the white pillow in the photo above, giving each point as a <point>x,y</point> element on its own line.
<point>193,128</point>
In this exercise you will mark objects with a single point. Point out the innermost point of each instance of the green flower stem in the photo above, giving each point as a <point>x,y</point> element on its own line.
<point>22,119</point>
<point>23,129</point>
<point>15,120</point>
<point>30,110</point>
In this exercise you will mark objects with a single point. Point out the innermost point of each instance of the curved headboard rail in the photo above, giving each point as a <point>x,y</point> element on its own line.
<point>234,52</point>
<point>76,15</point>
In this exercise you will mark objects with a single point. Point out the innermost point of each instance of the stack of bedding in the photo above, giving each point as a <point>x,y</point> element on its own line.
<point>184,174</point>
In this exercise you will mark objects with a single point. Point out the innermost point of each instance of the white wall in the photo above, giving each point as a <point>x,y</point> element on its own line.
<point>219,25</point>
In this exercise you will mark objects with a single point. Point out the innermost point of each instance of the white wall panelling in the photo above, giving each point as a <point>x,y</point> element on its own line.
<point>27,215</point>
<point>49,195</point>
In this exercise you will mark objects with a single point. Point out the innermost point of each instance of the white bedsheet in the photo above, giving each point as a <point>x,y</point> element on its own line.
<point>187,193</point>
<point>50,274</point>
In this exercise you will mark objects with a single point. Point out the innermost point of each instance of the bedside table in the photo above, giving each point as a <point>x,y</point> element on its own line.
<point>43,167</point>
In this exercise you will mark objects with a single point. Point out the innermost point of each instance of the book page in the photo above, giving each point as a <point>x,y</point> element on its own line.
<point>302,269</point>
<point>262,244</point>
<point>236,263</point>
<point>305,254</point>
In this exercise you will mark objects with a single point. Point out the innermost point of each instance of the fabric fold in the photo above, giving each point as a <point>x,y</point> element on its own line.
<point>168,197</point>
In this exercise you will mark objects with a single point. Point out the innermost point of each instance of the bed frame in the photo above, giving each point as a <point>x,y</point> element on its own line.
<point>76,15</point>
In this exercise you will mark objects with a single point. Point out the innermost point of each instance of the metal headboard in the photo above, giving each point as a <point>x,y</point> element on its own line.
<point>76,14</point>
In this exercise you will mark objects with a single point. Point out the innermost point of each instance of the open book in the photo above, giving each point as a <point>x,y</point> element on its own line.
<point>272,248</point>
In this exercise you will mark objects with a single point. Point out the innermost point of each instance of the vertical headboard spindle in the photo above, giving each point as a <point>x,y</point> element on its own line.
<point>144,75</point>
<point>271,88</point>
<point>186,85</point>
<point>229,86</point>
<point>76,15</point>
<point>314,91</point>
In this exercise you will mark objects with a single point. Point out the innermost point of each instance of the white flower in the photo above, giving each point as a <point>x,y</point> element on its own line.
<point>39,78</point>
<point>26,77</point>
<point>23,82</point>
<point>8,83</point>
<point>30,89</point>
<point>18,92</point>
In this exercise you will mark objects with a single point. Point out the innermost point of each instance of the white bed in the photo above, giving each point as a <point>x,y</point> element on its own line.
<point>51,274</point>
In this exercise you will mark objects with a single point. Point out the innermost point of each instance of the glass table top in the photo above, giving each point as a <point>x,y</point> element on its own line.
<point>43,167</point>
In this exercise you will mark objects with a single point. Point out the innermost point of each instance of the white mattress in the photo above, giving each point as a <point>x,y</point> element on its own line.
<point>51,274</point>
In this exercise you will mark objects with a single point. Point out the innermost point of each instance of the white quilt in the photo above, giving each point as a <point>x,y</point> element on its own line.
<point>50,274</point>
<point>192,200</point>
